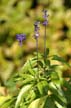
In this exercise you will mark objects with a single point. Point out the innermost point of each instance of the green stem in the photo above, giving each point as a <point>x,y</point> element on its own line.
<point>37,57</point>
<point>45,48</point>
<point>37,51</point>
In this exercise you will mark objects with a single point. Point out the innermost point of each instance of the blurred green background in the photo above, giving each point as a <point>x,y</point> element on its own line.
<point>18,16</point>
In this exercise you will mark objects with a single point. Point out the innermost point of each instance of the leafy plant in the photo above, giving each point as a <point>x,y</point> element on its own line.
<point>38,84</point>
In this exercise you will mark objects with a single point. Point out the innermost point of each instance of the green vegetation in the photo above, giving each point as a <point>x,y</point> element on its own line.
<point>20,87</point>
<point>31,87</point>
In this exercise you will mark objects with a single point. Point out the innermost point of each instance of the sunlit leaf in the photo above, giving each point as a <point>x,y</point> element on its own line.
<point>4,98</point>
<point>43,87</point>
<point>60,59</point>
<point>21,94</point>
<point>38,103</point>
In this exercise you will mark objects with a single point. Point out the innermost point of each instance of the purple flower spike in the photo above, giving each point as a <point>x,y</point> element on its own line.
<point>45,14</point>
<point>45,22</point>
<point>36,25</point>
<point>20,38</point>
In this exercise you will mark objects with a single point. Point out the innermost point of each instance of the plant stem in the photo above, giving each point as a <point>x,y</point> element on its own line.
<point>45,47</point>
<point>37,60</point>
<point>37,53</point>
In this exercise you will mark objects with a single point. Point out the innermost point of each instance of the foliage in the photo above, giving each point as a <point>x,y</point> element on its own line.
<point>39,83</point>
<point>13,14</point>
<point>30,88</point>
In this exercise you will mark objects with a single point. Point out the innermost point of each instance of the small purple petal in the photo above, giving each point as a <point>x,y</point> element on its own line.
<point>20,38</point>
<point>36,29</point>
<point>45,14</point>
<point>45,23</point>
<point>23,36</point>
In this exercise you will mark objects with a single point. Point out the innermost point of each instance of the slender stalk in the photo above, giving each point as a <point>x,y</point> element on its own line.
<point>45,47</point>
<point>36,25</point>
<point>37,53</point>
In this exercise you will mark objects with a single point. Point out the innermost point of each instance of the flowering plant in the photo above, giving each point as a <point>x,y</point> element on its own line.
<point>38,84</point>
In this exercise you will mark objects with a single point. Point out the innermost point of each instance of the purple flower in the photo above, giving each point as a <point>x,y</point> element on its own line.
<point>36,29</point>
<point>45,22</point>
<point>45,15</point>
<point>20,38</point>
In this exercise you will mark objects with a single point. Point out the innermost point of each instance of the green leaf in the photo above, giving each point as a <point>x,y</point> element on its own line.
<point>49,103</point>
<point>40,63</point>
<point>67,90</point>
<point>28,66</point>
<point>53,66</point>
<point>59,105</point>
<point>48,62</point>
<point>38,103</point>
<point>59,102</point>
<point>25,76</point>
<point>60,59</point>
<point>31,96</point>
<point>3,99</point>
<point>21,94</point>
<point>57,91</point>
<point>39,55</point>
<point>7,103</point>
<point>28,80</point>
<point>47,51</point>
<point>43,87</point>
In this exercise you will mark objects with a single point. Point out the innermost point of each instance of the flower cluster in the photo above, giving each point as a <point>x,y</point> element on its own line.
<point>36,29</point>
<point>45,15</point>
<point>20,38</point>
